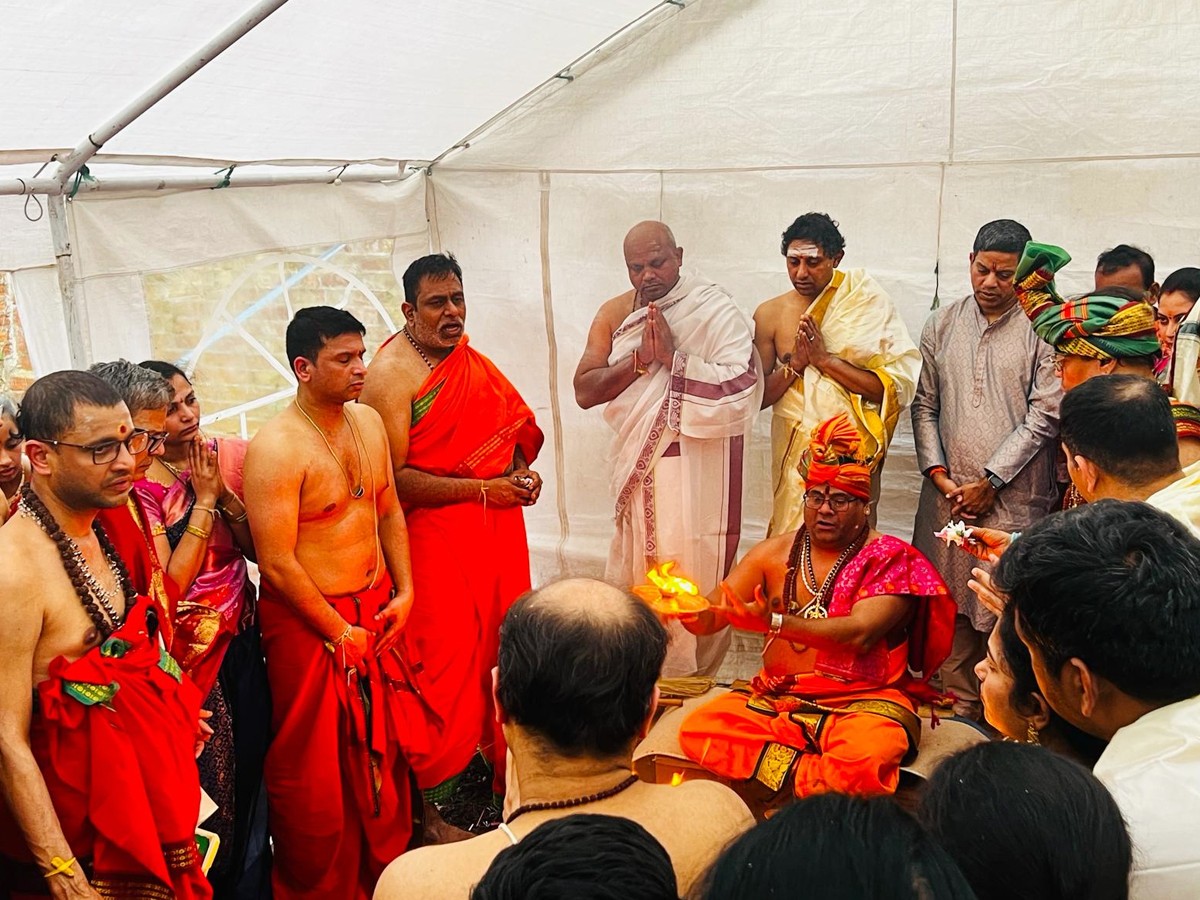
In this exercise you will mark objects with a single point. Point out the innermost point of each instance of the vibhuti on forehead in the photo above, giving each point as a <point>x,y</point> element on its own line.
<point>804,249</point>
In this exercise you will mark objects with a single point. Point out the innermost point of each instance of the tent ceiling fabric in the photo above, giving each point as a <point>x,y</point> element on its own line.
<point>766,84</point>
<point>352,80</point>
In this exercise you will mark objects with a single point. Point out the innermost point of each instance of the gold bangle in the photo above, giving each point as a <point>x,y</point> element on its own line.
<point>61,867</point>
<point>638,368</point>
<point>198,532</point>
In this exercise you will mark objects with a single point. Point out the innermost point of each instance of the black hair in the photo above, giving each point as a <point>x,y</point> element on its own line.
<point>48,408</point>
<point>584,857</point>
<point>1123,424</point>
<point>1086,748</point>
<point>435,265</point>
<point>1185,280</point>
<point>165,369</point>
<point>1124,255</point>
<point>1116,585</point>
<point>140,388</point>
<point>310,328</point>
<point>582,683</point>
<point>846,848</point>
<point>818,228</point>
<point>1023,822</point>
<point>1002,236</point>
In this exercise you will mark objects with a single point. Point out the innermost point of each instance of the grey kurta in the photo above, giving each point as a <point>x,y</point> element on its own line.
<point>987,398</point>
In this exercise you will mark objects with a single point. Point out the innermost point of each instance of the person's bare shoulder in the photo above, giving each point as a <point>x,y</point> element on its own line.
<point>274,431</point>
<point>771,548</point>
<point>769,313</point>
<point>442,872</point>
<point>396,372</point>
<point>275,441</point>
<point>23,548</point>
<point>365,417</point>
<point>614,311</point>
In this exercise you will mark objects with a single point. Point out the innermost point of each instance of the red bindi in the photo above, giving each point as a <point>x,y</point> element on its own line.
<point>122,429</point>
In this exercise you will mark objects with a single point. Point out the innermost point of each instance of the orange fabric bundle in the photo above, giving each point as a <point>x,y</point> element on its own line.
<point>835,458</point>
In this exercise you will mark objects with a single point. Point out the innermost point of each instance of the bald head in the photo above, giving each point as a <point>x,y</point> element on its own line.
<point>603,604</point>
<point>578,662</point>
<point>650,231</point>
<point>653,260</point>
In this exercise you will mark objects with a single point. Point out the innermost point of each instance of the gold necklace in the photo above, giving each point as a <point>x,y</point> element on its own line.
<point>355,492</point>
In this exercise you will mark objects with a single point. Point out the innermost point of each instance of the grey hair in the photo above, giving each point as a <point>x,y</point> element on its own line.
<point>141,389</point>
<point>8,407</point>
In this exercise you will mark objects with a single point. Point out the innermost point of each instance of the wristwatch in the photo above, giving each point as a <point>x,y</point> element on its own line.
<point>994,480</point>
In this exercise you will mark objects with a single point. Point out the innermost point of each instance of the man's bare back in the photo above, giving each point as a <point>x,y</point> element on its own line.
<point>335,534</point>
<point>693,821</point>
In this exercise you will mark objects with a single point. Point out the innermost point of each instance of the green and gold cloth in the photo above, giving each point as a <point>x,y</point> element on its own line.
<point>1097,326</point>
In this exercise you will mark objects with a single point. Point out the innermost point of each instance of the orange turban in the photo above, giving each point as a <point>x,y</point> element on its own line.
<point>834,458</point>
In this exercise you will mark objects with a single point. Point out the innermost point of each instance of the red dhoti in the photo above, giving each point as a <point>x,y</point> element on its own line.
<point>455,626</point>
<point>470,561</point>
<point>114,735</point>
<point>337,779</point>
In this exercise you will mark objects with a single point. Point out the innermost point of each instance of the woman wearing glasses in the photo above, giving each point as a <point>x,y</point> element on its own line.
<point>192,495</point>
<point>14,470</point>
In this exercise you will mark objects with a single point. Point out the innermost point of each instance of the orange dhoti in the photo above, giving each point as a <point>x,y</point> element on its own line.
<point>470,561</point>
<point>851,751</point>
<point>839,719</point>
<point>337,780</point>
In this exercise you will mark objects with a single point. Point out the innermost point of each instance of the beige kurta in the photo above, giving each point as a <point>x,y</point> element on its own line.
<point>987,399</point>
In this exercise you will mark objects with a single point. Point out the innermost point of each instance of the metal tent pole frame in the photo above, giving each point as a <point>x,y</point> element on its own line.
<point>74,310</point>
<point>239,178</point>
<point>90,145</point>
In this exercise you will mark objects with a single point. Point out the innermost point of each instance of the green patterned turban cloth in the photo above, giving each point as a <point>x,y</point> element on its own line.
<point>1097,326</point>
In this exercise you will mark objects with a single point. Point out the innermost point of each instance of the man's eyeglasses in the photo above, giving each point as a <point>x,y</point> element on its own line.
<point>837,502</point>
<point>106,452</point>
<point>157,439</point>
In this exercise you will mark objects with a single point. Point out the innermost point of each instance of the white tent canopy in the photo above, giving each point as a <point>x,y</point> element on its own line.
<point>911,123</point>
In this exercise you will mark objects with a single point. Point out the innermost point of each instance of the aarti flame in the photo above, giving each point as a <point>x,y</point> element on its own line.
<point>677,779</point>
<point>663,589</point>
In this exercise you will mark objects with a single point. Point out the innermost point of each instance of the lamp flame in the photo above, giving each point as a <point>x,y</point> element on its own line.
<point>677,779</point>
<point>662,588</point>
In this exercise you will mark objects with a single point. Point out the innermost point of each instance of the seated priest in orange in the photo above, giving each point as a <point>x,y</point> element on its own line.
<point>855,623</point>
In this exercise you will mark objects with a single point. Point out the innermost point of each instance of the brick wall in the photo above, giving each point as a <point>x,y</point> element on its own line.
<point>180,304</point>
